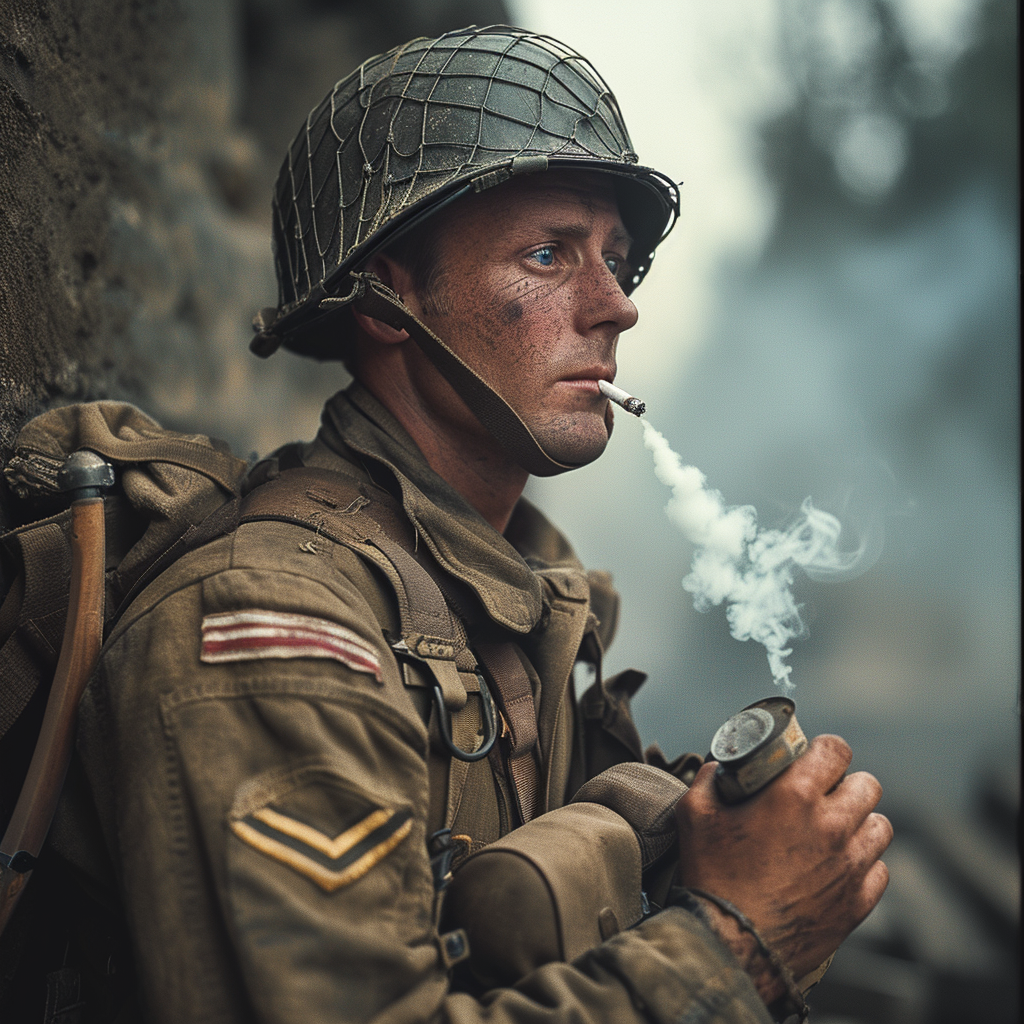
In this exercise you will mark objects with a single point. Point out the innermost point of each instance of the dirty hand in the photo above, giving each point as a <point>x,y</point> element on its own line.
<point>800,859</point>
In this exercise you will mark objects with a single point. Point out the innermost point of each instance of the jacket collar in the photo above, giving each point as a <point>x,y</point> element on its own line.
<point>505,571</point>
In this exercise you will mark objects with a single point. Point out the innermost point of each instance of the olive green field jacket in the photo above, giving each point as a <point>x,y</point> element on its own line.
<point>267,771</point>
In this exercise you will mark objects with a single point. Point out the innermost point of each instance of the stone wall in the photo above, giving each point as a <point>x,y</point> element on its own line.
<point>138,144</point>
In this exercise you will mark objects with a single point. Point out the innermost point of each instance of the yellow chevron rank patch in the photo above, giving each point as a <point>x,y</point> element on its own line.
<point>330,862</point>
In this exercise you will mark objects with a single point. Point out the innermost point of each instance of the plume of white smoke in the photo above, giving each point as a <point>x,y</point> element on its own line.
<point>749,569</point>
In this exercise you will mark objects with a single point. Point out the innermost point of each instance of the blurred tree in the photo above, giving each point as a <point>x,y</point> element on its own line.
<point>883,129</point>
<point>888,135</point>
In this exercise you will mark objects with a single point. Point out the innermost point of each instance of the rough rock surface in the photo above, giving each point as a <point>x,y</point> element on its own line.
<point>138,145</point>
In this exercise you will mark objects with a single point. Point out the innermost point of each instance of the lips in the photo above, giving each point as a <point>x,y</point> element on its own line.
<point>591,375</point>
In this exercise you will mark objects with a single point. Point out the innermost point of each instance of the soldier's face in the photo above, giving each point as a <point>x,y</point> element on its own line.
<point>529,294</point>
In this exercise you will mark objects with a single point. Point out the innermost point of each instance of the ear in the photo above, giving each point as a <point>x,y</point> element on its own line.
<point>396,278</point>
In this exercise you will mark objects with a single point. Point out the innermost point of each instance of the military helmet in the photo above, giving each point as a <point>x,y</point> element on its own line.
<point>412,130</point>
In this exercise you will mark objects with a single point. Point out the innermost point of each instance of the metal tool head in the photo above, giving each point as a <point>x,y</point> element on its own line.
<point>85,475</point>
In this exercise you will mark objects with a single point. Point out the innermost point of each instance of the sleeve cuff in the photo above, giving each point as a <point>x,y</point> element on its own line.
<point>676,968</point>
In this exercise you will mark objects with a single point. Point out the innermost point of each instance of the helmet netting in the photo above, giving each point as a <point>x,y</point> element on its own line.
<point>415,121</point>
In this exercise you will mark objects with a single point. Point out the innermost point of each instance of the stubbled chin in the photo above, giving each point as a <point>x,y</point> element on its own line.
<point>574,443</point>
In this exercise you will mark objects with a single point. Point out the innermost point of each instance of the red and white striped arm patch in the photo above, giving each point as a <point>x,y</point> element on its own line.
<point>255,634</point>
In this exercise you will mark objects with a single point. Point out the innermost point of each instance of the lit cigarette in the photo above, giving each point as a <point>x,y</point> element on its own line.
<point>623,398</point>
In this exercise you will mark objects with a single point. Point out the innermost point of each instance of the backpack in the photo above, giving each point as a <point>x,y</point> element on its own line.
<point>64,944</point>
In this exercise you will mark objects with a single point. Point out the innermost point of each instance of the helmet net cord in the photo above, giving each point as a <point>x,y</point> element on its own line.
<point>409,124</point>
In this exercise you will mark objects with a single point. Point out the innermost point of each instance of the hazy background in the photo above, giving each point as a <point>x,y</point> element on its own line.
<point>834,316</point>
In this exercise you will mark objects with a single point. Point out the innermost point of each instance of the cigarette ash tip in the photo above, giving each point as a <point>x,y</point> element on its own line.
<point>622,398</point>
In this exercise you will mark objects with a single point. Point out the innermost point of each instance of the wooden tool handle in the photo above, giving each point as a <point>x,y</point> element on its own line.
<point>80,648</point>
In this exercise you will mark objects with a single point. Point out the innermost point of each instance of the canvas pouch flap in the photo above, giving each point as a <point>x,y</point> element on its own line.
<point>550,890</point>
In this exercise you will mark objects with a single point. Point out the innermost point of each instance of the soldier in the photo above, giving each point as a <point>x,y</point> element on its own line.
<point>294,733</point>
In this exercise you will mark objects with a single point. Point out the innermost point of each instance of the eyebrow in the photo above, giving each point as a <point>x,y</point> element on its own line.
<point>582,231</point>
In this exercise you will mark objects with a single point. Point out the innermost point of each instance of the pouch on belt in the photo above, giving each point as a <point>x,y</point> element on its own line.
<point>566,881</point>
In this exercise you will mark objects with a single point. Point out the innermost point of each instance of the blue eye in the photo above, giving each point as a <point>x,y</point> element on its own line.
<point>619,268</point>
<point>545,257</point>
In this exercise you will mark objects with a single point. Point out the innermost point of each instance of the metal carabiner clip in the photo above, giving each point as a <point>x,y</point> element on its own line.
<point>490,724</point>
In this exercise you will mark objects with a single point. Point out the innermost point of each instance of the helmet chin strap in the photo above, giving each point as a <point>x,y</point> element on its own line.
<point>375,299</point>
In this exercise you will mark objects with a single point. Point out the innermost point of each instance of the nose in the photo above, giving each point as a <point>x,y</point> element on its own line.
<point>606,309</point>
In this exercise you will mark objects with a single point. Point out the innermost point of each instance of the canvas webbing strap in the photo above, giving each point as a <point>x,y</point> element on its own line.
<point>34,629</point>
<point>344,510</point>
<point>303,496</point>
<point>218,466</point>
<point>465,728</point>
<point>36,471</point>
<point>16,669</point>
<point>498,417</point>
<point>515,696</point>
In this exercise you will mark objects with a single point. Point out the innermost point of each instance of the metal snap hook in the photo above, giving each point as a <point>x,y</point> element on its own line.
<point>490,724</point>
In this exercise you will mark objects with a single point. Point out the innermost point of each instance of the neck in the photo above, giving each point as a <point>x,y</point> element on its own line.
<point>464,455</point>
